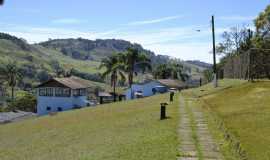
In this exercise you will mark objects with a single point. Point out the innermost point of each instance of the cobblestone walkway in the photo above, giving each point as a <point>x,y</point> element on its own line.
<point>196,142</point>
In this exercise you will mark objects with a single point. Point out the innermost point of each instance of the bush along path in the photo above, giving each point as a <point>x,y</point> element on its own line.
<point>196,142</point>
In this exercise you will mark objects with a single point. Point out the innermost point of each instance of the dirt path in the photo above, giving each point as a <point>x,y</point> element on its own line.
<point>196,142</point>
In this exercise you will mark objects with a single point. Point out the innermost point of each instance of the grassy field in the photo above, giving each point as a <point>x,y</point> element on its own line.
<point>126,130</point>
<point>245,110</point>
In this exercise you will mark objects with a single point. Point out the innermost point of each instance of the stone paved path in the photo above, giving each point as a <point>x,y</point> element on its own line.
<point>208,149</point>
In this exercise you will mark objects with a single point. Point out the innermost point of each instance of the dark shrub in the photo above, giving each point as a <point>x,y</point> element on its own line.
<point>24,102</point>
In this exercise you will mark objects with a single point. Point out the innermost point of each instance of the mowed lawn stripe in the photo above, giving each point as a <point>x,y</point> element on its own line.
<point>245,110</point>
<point>125,130</point>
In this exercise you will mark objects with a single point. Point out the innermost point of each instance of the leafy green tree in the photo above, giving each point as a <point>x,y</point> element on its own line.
<point>58,69</point>
<point>178,72</point>
<point>262,23</point>
<point>162,71</point>
<point>173,71</point>
<point>43,76</point>
<point>24,101</point>
<point>208,75</point>
<point>12,75</point>
<point>114,68</point>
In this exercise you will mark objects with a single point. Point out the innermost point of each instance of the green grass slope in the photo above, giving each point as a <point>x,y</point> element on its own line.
<point>245,110</point>
<point>127,130</point>
<point>68,62</point>
<point>42,57</point>
<point>38,59</point>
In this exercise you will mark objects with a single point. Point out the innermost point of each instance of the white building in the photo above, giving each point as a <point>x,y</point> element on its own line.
<point>61,94</point>
<point>151,87</point>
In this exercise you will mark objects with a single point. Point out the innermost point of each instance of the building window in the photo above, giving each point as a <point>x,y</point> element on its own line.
<point>48,92</point>
<point>42,92</point>
<point>82,92</point>
<point>48,108</point>
<point>79,92</point>
<point>76,92</point>
<point>62,92</point>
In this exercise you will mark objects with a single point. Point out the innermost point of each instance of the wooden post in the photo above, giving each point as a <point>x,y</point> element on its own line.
<point>101,100</point>
<point>171,96</point>
<point>214,53</point>
<point>163,111</point>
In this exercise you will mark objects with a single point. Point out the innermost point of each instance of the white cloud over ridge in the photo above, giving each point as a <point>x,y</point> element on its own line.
<point>181,42</point>
<point>153,21</point>
<point>68,21</point>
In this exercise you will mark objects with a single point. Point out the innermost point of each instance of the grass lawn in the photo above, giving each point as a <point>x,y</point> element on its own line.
<point>245,110</point>
<point>126,130</point>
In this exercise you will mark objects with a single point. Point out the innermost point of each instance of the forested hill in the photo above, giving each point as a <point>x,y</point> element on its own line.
<point>40,61</point>
<point>85,49</point>
<point>95,50</point>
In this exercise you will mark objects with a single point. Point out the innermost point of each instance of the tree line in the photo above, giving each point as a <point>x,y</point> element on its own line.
<point>121,67</point>
<point>240,40</point>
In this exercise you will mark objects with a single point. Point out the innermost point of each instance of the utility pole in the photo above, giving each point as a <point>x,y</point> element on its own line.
<point>215,81</point>
<point>1,2</point>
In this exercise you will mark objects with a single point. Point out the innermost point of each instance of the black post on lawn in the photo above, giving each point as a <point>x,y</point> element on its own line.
<point>171,96</point>
<point>163,111</point>
<point>101,100</point>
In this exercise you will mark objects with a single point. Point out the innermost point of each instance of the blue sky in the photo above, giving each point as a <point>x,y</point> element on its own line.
<point>163,26</point>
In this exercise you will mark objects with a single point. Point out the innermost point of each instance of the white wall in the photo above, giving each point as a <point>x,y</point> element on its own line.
<point>145,88</point>
<point>66,103</point>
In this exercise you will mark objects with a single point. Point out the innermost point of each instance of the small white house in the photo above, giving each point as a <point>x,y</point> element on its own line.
<point>151,87</point>
<point>61,94</point>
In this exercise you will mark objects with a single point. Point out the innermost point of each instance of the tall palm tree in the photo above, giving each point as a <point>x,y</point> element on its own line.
<point>133,61</point>
<point>11,74</point>
<point>114,68</point>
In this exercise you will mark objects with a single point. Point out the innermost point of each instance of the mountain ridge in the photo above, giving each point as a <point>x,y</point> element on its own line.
<point>40,61</point>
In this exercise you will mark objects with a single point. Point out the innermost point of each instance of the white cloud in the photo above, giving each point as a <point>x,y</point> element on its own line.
<point>153,21</point>
<point>185,51</point>
<point>31,11</point>
<point>236,18</point>
<point>68,21</point>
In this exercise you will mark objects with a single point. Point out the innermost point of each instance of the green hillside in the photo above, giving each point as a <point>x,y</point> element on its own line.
<point>39,62</point>
<point>127,130</point>
<point>240,111</point>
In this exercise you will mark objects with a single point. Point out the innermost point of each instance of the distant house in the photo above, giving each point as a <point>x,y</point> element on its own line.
<point>61,94</point>
<point>151,87</point>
